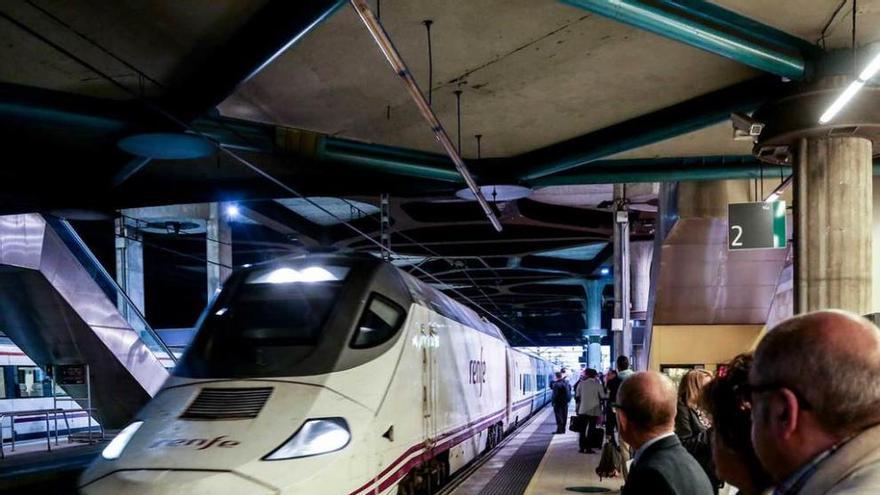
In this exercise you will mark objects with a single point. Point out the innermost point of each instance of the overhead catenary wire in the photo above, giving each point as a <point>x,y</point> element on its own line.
<point>427,23</point>
<point>394,59</point>
<point>458,116</point>
<point>259,171</point>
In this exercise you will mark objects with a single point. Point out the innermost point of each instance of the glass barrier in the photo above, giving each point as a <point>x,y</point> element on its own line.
<point>109,286</point>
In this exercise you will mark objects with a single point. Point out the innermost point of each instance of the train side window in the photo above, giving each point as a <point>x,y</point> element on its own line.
<point>31,382</point>
<point>380,321</point>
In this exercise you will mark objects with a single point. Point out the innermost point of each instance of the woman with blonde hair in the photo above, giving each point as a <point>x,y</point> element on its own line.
<point>691,423</point>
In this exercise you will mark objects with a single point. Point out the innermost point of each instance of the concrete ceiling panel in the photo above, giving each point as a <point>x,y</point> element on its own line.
<point>533,73</point>
<point>161,38</point>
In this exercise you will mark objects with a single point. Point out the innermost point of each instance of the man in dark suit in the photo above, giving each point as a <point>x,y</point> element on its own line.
<point>561,398</point>
<point>645,411</point>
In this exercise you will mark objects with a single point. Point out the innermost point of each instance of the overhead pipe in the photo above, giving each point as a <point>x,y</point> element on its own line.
<point>681,118</point>
<point>740,24</point>
<point>673,24</point>
<point>397,63</point>
<point>389,159</point>
<point>666,170</point>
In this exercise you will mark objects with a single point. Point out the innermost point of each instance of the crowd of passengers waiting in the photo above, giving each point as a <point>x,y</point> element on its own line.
<point>765,423</point>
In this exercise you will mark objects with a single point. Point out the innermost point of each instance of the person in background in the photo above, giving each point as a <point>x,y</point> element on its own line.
<point>816,436</point>
<point>581,377</point>
<point>623,371</point>
<point>691,423</point>
<point>590,394</point>
<point>611,386</point>
<point>646,418</point>
<point>560,399</point>
<point>732,452</point>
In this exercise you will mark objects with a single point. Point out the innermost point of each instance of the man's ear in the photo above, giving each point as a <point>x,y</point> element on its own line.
<point>784,412</point>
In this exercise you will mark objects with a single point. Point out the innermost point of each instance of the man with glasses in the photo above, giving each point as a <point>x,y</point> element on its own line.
<point>814,390</point>
<point>645,408</point>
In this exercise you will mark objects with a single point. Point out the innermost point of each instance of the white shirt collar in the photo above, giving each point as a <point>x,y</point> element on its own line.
<point>650,442</point>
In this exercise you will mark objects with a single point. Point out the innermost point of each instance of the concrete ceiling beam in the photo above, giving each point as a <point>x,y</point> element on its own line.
<point>271,31</point>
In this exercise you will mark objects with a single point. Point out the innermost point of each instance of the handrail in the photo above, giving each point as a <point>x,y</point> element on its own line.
<point>99,274</point>
<point>33,412</point>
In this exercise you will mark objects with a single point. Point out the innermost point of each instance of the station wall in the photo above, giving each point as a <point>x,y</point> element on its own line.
<point>707,345</point>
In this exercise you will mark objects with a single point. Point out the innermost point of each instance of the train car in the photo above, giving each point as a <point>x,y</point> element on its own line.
<point>325,374</point>
<point>25,387</point>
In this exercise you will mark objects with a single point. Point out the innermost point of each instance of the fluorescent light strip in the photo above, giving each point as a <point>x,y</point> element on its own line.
<point>841,100</point>
<point>871,69</point>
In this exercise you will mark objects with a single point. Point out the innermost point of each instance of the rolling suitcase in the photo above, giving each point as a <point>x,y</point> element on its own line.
<point>594,440</point>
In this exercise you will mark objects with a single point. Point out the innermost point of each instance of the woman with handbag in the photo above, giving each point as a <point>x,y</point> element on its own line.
<point>589,394</point>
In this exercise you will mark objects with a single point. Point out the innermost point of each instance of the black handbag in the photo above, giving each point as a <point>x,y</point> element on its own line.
<point>577,424</point>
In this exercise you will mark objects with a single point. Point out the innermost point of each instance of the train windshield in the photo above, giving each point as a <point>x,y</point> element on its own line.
<point>264,322</point>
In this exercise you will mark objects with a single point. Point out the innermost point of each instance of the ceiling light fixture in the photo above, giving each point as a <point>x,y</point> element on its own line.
<point>232,211</point>
<point>854,87</point>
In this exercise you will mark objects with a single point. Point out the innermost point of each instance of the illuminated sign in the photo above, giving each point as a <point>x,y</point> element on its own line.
<point>759,225</point>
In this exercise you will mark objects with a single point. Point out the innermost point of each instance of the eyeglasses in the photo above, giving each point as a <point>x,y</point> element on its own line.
<point>746,391</point>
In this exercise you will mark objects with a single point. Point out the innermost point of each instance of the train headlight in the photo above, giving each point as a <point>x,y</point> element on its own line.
<point>315,437</point>
<point>114,449</point>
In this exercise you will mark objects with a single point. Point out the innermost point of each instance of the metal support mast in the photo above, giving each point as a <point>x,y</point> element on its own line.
<point>621,327</point>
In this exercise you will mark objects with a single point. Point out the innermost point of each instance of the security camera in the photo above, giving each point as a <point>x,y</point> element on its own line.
<point>745,127</point>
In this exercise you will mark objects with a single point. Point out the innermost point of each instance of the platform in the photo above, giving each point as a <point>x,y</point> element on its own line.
<point>41,471</point>
<point>537,462</point>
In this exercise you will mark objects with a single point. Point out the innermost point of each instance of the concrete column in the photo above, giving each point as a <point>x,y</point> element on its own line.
<point>129,265</point>
<point>218,248</point>
<point>593,333</point>
<point>594,352</point>
<point>833,215</point>
<point>593,290</point>
<point>640,253</point>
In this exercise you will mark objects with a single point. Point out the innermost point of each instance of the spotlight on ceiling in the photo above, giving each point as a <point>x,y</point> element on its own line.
<point>604,271</point>
<point>232,211</point>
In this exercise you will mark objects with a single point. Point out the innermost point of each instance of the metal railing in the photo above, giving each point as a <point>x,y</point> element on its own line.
<point>46,413</point>
<point>111,289</point>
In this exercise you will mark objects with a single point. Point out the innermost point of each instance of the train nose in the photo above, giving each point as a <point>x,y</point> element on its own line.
<point>165,482</point>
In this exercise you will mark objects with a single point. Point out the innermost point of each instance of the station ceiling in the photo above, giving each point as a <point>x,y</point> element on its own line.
<point>77,77</point>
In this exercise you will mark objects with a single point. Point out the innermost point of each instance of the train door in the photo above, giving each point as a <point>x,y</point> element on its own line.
<point>429,380</point>
<point>509,386</point>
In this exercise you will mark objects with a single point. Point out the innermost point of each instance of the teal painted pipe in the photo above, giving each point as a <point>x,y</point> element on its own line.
<point>609,173</point>
<point>397,161</point>
<point>729,20</point>
<point>670,25</point>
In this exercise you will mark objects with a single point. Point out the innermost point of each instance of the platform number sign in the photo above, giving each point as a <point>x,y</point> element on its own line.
<point>759,225</point>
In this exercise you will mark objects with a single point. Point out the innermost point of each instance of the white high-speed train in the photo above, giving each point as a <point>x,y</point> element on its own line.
<point>325,375</point>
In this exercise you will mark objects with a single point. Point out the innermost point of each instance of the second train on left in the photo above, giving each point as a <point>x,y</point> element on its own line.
<point>325,374</point>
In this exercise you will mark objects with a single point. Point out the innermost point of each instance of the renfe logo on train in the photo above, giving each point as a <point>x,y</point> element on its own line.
<point>478,372</point>
<point>198,443</point>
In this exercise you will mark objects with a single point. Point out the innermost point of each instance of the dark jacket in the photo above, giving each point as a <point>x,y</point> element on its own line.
<point>695,439</point>
<point>666,468</point>
<point>613,385</point>
<point>561,392</point>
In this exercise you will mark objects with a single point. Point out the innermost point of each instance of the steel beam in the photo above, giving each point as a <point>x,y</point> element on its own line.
<point>271,31</point>
<point>708,30</point>
<point>678,119</point>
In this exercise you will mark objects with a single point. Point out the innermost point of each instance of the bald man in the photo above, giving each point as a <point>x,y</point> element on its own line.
<point>645,408</point>
<point>814,390</point>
